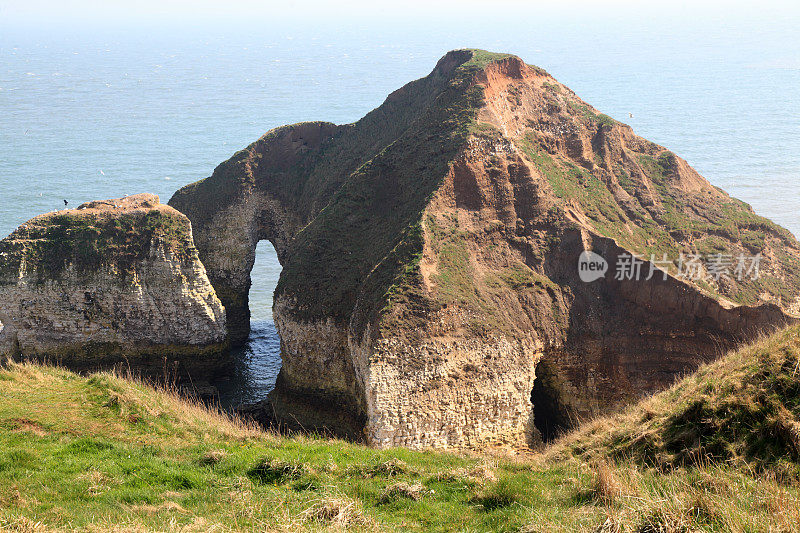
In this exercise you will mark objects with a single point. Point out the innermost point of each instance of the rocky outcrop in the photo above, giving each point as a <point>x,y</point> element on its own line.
<point>430,287</point>
<point>111,281</point>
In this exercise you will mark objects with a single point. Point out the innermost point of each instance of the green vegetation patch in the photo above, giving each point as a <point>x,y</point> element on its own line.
<point>587,113</point>
<point>553,87</point>
<point>520,277</point>
<point>82,454</point>
<point>742,410</point>
<point>591,195</point>
<point>88,241</point>
<point>481,59</point>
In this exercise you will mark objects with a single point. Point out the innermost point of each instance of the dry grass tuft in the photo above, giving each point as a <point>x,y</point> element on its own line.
<point>22,525</point>
<point>412,491</point>
<point>213,457</point>
<point>164,507</point>
<point>609,526</point>
<point>784,509</point>
<point>99,482</point>
<point>339,511</point>
<point>273,471</point>
<point>391,468</point>
<point>481,474</point>
<point>607,487</point>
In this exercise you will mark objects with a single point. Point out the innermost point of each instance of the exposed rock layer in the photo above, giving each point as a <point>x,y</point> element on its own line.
<point>111,281</point>
<point>430,255</point>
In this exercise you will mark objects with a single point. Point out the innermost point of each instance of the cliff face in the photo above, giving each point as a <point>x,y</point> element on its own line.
<point>111,281</point>
<point>430,288</point>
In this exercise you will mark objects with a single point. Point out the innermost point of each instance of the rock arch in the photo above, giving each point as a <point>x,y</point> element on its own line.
<point>244,202</point>
<point>430,255</point>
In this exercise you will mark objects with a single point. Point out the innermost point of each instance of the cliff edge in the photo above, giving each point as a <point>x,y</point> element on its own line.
<point>111,281</point>
<point>431,292</point>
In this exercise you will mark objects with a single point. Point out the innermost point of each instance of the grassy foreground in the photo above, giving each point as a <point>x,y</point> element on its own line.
<point>717,452</point>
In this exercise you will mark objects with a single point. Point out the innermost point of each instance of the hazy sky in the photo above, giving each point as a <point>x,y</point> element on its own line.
<point>190,11</point>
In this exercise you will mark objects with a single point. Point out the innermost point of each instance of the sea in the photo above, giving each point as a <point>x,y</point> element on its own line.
<point>103,109</point>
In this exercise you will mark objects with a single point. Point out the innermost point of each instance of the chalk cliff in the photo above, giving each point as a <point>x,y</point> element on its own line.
<point>430,293</point>
<point>111,281</point>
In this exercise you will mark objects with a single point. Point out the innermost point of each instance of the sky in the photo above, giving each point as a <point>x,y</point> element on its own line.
<point>179,12</point>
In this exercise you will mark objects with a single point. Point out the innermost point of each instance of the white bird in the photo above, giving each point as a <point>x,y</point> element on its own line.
<point>101,172</point>
<point>630,115</point>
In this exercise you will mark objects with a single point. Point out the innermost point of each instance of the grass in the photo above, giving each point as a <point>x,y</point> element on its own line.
<point>104,452</point>
<point>587,113</point>
<point>481,58</point>
<point>717,452</point>
<point>579,187</point>
<point>88,241</point>
<point>742,411</point>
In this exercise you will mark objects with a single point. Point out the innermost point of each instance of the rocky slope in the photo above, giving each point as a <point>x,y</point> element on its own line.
<point>111,281</point>
<point>430,293</point>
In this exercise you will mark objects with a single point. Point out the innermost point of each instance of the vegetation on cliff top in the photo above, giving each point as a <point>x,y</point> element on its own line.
<point>717,452</point>
<point>89,240</point>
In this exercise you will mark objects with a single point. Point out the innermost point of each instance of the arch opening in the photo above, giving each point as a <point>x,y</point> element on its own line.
<point>256,363</point>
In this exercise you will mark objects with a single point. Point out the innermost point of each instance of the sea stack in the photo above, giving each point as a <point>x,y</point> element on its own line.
<point>111,281</point>
<point>431,292</point>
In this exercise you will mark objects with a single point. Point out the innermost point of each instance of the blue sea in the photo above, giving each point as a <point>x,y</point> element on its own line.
<point>102,109</point>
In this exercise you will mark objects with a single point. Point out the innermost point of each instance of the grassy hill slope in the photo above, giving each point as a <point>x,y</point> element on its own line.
<point>717,452</point>
<point>742,410</point>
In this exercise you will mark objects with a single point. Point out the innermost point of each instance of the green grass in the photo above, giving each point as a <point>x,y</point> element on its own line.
<point>83,454</point>
<point>715,453</point>
<point>89,241</point>
<point>742,410</point>
<point>587,113</point>
<point>481,58</point>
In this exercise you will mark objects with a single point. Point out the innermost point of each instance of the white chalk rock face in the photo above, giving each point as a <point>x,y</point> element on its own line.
<point>110,281</point>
